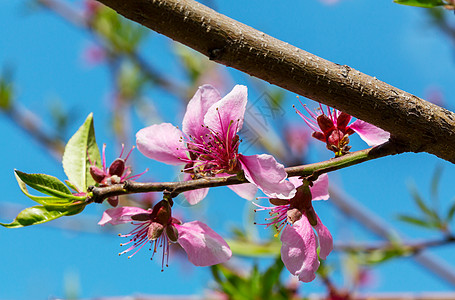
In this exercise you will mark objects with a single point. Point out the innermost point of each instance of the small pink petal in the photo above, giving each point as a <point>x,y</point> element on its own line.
<point>163,143</point>
<point>296,181</point>
<point>268,175</point>
<point>246,190</point>
<point>371,134</point>
<point>299,250</point>
<point>120,215</point>
<point>196,109</point>
<point>320,188</point>
<point>325,239</point>
<point>230,108</point>
<point>204,246</point>
<point>194,196</point>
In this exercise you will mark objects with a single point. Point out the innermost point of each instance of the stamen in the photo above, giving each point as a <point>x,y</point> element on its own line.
<point>104,158</point>
<point>126,158</point>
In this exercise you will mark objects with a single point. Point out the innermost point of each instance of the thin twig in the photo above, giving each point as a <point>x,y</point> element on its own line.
<point>98,194</point>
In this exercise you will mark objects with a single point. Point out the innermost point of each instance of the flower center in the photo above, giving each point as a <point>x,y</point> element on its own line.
<point>214,153</point>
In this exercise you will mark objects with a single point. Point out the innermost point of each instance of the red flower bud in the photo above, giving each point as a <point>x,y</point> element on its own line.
<point>117,167</point>
<point>97,174</point>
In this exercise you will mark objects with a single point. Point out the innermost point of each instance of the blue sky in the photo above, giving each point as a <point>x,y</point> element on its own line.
<point>394,43</point>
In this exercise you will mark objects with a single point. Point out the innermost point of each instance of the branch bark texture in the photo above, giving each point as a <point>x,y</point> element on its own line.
<point>417,124</point>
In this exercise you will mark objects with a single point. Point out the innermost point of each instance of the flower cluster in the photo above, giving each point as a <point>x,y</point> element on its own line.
<point>333,128</point>
<point>296,219</point>
<point>157,226</point>
<point>208,145</point>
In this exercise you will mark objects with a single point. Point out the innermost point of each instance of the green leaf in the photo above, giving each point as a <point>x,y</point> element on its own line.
<point>43,183</point>
<point>430,213</point>
<point>270,278</point>
<point>35,215</point>
<point>421,3</point>
<point>451,212</point>
<point>6,90</point>
<point>435,181</point>
<point>81,146</point>
<point>418,222</point>
<point>68,183</point>
<point>50,202</point>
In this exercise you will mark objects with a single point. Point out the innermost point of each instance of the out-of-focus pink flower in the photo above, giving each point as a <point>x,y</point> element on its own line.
<point>94,55</point>
<point>91,7</point>
<point>117,172</point>
<point>297,221</point>
<point>208,146</point>
<point>297,139</point>
<point>203,245</point>
<point>435,95</point>
<point>333,128</point>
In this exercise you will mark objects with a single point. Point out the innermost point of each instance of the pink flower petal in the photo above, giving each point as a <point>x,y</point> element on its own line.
<point>230,108</point>
<point>120,215</point>
<point>268,175</point>
<point>194,196</point>
<point>296,181</point>
<point>203,245</point>
<point>325,239</point>
<point>196,109</point>
<point>320,188</point>
<point>163,143</point>
<point>246,190</point>
<point>299,250</point>
<point>371,134</point>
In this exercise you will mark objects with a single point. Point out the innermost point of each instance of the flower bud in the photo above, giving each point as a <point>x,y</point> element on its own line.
<point>97,174</point>
<point>117,167</point>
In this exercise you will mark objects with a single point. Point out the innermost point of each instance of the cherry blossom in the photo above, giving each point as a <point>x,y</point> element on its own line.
<point>203,245</point>
<point>297,222</point>
<point>333,128</point>
<point>208,146</point>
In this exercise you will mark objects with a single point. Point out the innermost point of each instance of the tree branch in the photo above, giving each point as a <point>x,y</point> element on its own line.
<point>98,194</point>
<point>421,126</point>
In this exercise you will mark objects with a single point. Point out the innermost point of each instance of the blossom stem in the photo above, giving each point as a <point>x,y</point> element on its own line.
<point>172,189</point>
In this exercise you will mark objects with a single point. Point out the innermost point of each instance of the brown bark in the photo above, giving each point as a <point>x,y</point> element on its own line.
<point>417,124</point>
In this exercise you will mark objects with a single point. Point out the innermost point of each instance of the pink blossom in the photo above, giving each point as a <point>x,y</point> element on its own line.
<point>333,129</point>
<point>297,138</point>
<point>203,245</point>
<point>117,172</point>
<point>208,146</point>
<point>94,55</point>
<point>297,221</point>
